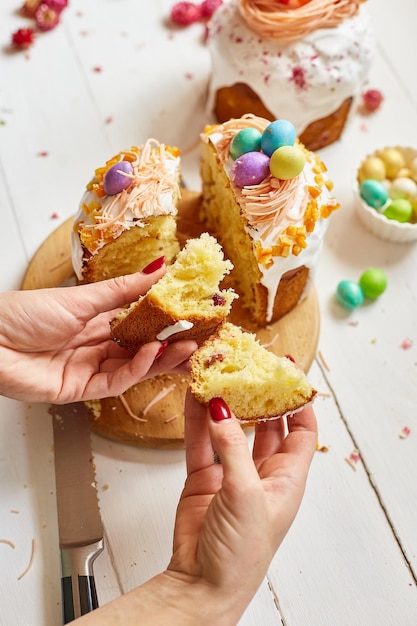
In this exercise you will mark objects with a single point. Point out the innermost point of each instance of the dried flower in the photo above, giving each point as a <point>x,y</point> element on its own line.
<point>46,18</point>
<point>23,38</point>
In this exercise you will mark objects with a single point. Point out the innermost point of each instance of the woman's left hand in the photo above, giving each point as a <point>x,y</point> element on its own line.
<point>55,344</point>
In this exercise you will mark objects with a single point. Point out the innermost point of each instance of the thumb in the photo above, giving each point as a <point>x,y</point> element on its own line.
<point>110,294</point>
<point>230,443</point>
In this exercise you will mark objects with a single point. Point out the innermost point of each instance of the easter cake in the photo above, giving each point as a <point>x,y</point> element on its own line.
<point>266,198</point>
<point>127,215</point>
<point>186,303</point>
<point>255,383</point>
<point>304,60</point>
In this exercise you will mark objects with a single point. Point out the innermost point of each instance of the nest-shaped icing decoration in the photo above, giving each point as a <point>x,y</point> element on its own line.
<point>273,20</point>
<point>267,202</point>
<point>130,187</point>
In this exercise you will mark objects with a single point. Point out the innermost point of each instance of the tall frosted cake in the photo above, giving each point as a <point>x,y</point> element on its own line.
<point>127,215</point>
<point>307,61</point>
<point>267,199</point>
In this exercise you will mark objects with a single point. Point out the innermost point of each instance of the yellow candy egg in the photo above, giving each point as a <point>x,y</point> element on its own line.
<point>373,167</point>
<point>287,162</point>
<point>404,172</point>
<point>403,188</point>
<point>393,159</point>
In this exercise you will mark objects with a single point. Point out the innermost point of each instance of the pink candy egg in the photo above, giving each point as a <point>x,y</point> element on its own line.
<point>115,179</point>
<point>250,168</point>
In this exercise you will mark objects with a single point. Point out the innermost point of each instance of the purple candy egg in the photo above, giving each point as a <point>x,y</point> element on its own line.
<point>115,181</point>
<point>250,169</point>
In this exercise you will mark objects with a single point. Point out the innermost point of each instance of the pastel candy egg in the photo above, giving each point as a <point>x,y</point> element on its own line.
<point>403,188</point>
<point>277,134</point>
<point>372,167</point>
<point>400,210</point>
<point>246,140</point>
<point>287,162</point>
<point>250,168</point>
<point>374,193</point>
<point>393,159</point>
<point>349,294</point>
<point>373,282</point>
<point>115,180</point>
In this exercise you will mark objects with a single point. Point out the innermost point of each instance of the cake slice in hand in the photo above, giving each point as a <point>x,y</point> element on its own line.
<point>255,383</point>
<point>186,303</point>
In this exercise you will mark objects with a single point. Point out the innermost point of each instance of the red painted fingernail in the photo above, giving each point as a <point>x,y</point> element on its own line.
<point>154,265</point>
<point>162,348</point>
<point>219,410</point>
<point>291,358</point>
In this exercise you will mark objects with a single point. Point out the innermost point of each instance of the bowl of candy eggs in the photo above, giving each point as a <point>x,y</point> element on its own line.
<point>386,187</point>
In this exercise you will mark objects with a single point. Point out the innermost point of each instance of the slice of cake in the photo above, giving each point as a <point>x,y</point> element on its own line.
<point>255,383</point>
<point>268,209</point>
<point>186,303</point>
<point>307,61</point>
<point>127,216</point>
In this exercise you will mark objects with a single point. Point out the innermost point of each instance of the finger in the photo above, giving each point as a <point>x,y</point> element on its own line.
<point>198,447</point>
<point>116,382</point>
<point>230,443</point>
<point>87,301</point>
<point>269,436</point>
<point>301,441</point>
<point>173,356</point>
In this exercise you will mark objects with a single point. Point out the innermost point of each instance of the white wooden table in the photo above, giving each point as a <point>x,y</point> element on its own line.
<point>112,75</point>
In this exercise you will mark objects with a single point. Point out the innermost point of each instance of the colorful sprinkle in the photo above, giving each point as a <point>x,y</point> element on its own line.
<point>353,458</point>
<point>406,344</point>
<point>405,432</point>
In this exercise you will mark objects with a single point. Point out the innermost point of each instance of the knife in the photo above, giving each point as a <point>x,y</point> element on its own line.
<point>79,522</point>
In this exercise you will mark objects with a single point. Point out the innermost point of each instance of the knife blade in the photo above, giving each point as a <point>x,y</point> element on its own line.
<point>79,521</point>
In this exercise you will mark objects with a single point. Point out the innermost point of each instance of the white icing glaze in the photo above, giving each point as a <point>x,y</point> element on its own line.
<point>178,327</point>
<point>309,256</point>
<point>302,81</point>
<point>129,219</point>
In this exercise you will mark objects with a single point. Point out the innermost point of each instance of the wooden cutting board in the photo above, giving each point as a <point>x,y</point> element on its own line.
<point>150,414</point>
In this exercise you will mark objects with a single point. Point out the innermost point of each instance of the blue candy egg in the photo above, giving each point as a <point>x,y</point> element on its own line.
<point>115,180</point>
<point>374,193</point>
<point>250,168</point>
<point>277,134</point>
<point>246,140</point>
<point>349,294</point>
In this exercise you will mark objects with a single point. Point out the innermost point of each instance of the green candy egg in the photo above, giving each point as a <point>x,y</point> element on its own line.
<point>287,162</point>
<point>349,294</point>
<point>400,210</point>
<point>374,193</point>
<point>246,140</point>
<point>373,282</point>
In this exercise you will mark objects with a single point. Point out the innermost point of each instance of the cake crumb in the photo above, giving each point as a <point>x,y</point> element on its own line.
<point>29,565</point>
<point>323,360</point>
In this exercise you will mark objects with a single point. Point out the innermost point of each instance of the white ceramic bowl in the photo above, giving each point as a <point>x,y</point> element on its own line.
<point>377,223</point>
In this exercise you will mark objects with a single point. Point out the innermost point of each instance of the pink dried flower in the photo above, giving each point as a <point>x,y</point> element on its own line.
<point>185,13</point>
<point>56,5</point>
<point>46,18</point>
<point>30,6</point>
<point>372,99</point>
<point>209,6</point>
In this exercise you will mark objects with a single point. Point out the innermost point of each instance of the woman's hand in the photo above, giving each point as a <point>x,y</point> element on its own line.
<point>233,516</point>
<point>55,344</point>
<point>231,519</point>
